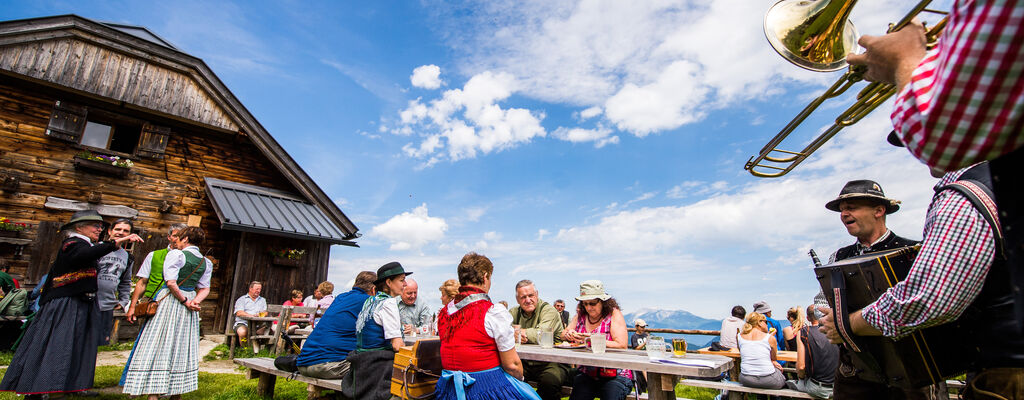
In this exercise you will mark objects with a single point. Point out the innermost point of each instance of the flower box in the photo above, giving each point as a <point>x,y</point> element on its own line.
<point>101,167</point>
<point>10,234</point>
<point>287,262</point>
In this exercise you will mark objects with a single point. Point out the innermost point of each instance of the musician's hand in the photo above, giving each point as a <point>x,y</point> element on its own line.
<point>893,57</point>
<point>827,325</point>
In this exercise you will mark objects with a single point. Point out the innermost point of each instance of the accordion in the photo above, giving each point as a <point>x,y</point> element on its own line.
<point>923,358</point>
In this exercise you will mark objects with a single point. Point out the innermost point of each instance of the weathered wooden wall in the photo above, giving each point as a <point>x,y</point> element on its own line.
<point>44,167</point>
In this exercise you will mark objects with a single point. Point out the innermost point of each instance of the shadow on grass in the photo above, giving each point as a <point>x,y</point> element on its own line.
<point>211,386</point>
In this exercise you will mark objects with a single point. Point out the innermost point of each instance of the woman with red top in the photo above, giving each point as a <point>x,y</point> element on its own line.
<point>598,313</point>
<point>294,301</point>
<point>477,342</point>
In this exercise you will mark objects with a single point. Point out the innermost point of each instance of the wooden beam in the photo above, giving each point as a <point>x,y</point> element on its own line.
<point>57,203</point>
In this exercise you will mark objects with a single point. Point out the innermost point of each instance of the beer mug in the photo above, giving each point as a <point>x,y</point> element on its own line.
<point>655,348</point>
<point>597,343</point>
<point>679,347</point>
<point>545,338</point>
<point>517,331</point>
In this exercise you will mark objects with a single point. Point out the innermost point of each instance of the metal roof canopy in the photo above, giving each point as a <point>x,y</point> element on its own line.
<point>269,211</point>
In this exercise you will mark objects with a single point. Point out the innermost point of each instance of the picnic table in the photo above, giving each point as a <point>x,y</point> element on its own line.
<point>661,377</point>
<point>283,319</point>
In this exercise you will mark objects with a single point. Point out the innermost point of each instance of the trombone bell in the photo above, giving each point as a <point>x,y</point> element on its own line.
<point>813,34</point>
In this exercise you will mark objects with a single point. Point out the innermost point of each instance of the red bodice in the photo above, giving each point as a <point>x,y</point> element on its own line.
<point>465,345</point>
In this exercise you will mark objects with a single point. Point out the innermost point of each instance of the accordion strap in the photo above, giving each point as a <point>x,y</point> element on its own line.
<point>841,313</point>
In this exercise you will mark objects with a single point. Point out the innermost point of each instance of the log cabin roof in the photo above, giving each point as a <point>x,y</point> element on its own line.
<point>137,69</point>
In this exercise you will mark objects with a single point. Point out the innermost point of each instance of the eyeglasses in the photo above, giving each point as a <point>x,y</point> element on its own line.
<point>591,303</point>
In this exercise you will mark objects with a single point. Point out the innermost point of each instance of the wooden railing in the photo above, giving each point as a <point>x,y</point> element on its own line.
<point>681,331</point>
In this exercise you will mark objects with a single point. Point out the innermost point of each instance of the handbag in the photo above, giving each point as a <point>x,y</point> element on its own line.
<point>147,308</point>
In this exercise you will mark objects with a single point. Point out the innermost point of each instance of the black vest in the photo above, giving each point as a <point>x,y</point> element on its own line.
<point>988,324</point>
<point>891,242</point>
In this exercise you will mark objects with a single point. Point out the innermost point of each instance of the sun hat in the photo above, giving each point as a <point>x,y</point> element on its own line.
<point>762,307</point>
<point>84,215</point>
<point>864,189</point>
<point>389,270</point>
<point>592,289</point>
<point>639,323</point>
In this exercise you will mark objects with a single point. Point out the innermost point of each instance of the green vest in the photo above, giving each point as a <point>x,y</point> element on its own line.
<point>156,273</point>
<point>192,263</point>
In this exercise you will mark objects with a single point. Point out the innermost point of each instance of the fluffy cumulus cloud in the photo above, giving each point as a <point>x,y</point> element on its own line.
<point>426,77</point>
<point>600,136</point>
<point>644,67</point>
<point>411,229</point>
<point>467,121</point>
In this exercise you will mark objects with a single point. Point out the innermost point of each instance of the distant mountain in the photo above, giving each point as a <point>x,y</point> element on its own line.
<point>676,319</point>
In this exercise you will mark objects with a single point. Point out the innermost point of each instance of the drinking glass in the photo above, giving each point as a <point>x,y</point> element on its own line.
<point>655,347</point>
<point>546,339</point>
<point>679,347</point>
<point>597,343</point>
<point>516,329</point>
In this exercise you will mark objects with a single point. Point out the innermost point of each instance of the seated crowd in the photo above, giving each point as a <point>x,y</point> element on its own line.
<point>361,330</point>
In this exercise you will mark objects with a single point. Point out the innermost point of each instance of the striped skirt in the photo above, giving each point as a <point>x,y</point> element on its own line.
<point>165,359</point>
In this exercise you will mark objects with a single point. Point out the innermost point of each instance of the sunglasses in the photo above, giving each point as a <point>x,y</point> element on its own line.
<point>591,303</point>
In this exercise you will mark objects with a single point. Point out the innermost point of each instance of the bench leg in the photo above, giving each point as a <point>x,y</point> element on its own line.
<point>661,387</point>
<point>231,347</point>
<point>734,375</point>
<point>312,392</point>
<point>113,332</point>
<point>265,385</point>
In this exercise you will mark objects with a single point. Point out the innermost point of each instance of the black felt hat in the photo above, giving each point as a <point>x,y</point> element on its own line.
<point>84,215</point>
<point>389,270</point>
<point>864,189</point>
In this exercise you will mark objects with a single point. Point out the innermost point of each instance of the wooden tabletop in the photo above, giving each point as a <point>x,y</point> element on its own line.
<point>627,359</point>
<point>735,353</point>
<point>260,319</point>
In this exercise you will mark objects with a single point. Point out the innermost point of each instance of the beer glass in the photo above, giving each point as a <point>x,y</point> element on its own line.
<point>655,347</point>
<point>546,339</point>
<point>597,343</point>
<point>517,331</point>
<point>679,347</point>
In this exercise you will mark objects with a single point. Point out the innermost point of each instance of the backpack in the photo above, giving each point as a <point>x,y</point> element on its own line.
<point>15,303</point>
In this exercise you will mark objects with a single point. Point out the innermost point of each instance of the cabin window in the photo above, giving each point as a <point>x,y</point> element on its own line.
<point>102,129</point>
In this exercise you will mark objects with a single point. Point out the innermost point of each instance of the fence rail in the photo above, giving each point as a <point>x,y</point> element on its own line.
<point>681,331</point>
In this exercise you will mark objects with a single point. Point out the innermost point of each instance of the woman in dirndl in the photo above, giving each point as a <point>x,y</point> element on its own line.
<point>477,342</point>
<point>165,360</point>
<point>57,354</point>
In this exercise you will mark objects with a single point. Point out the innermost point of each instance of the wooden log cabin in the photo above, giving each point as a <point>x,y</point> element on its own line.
<point>70,86</point>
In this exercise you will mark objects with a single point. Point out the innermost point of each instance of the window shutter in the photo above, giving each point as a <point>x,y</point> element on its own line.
<point>153,141</point>
<point>67,122</point>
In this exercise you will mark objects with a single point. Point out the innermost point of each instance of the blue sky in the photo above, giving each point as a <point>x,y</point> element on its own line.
<point>565,140</point>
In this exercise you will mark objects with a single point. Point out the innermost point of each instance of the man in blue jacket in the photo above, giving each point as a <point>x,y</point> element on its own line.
<point>325,352</point>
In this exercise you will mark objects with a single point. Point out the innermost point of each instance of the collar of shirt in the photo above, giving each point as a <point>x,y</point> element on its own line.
<point>861,249</point>
<point>952,176</point>
<point>83,237</point>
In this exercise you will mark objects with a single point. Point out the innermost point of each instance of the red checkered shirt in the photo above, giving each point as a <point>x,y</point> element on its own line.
<point>948,273</point>
<point>965,102</point>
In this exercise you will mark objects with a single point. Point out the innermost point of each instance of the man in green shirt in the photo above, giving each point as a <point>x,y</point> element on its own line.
<point>532,315</point>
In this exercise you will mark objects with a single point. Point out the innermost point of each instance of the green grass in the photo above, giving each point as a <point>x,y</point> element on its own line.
<point>211,386</point>
<point>5,357</point>
<point>221,353</point>
<point>120,346</point>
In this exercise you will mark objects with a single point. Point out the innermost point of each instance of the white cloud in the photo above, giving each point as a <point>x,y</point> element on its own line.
<point>426,77</point>
<point>469,120</point>
<point>541,233</point>
<point>492,236</point>
<point>473,214</point>
<point>589,113</point>
<point>672,100</point>
<point>601,136</point>
<point>411,229</point>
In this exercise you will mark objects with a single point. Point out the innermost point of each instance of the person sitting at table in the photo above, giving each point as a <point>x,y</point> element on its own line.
<point>639,339</point>
<point>378,336</point>
<point>817,360</point>
<point>250,305</point>
<point>797,321</point>
<point>295,301</point>
<point>598,313</point>
<point>325,353</point>
<point>730,329</point>
<point>478,350</point>
<point>759,367</point>
<point>534,315</point>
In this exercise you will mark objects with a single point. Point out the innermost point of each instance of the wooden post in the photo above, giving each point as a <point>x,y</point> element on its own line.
<point>660,386</point>
<point>283,320</point>
<point>734,375</point>
<point>265,386</point>
<point>312,392</point>
<point>113,332</point>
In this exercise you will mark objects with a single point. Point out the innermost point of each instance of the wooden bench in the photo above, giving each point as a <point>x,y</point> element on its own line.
<point>737,387</point>
<point>264,370</point>
<point>284,318</point>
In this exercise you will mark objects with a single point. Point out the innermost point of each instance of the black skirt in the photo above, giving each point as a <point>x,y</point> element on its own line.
<point>58,352</point>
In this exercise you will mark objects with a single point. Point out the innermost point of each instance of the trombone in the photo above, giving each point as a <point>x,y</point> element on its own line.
<point>817,35</point>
